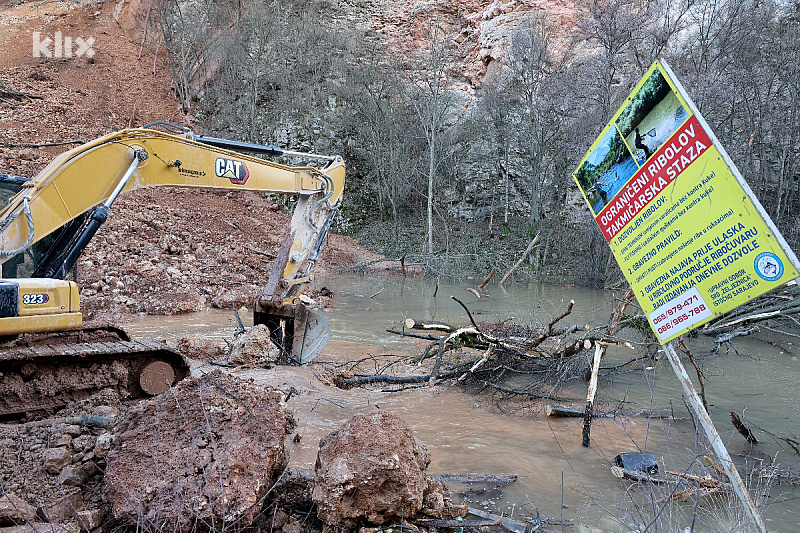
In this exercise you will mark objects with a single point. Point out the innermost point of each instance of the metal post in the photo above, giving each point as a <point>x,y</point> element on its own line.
<point>712,435</point>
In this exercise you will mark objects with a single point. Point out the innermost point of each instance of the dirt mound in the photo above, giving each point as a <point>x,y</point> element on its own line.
<point>203,455</point>
<point>80,97</point>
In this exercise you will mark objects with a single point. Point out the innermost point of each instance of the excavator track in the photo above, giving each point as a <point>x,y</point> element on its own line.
<point>44,374</point>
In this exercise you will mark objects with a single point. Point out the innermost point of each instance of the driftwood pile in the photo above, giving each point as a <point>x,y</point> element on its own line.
<point>514,360</point>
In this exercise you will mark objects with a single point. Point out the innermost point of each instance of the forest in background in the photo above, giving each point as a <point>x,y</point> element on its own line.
<point>464,176</point>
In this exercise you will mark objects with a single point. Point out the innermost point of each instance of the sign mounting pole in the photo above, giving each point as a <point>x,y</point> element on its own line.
<point>716,443</point>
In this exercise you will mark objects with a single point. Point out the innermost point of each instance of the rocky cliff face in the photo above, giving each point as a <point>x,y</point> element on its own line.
<point>480,33</point>
<point>480,30</point>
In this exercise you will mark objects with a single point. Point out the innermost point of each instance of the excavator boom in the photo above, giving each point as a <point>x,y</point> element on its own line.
<point>48,223</point>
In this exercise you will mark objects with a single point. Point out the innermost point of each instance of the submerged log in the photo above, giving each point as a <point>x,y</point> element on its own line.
<point>486,280</point>
<point>413,335</point>
<point>499,479</point>
<point>521,259</point>
<point>636,475</point>
<point>509,524</point>
<point>559,411</point>
<point>457,524</point>
<point>701,486</point>
<point>518,525</point>
<point>347,383</point>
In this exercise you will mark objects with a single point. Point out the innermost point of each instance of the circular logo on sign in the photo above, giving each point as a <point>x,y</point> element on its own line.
<point>769,266</point>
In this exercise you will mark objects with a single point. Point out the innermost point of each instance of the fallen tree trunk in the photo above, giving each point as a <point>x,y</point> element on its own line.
<point>484,356</point>
<point>486,280</point>
<point>521,259</point>
<point>455,524</point>
<point>768,307</point>
<point>559,411</point>
<point>339,381</point>
<point>728,337</point>
<point>412,335</point>
<point>518,525</point>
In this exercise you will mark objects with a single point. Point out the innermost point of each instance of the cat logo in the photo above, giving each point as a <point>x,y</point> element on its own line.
<point>236,171</point>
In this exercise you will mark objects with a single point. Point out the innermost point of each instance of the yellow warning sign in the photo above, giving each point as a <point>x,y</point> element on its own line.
<point>690,237</point>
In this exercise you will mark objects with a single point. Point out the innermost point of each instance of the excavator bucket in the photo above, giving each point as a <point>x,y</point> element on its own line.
<point>300,333</point>
<point>311,334</point>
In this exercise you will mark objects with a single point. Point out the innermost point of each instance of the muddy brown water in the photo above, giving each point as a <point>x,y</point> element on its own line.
<point>559,479</point>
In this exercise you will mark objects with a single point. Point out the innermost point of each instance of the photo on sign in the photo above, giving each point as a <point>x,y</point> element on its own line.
<point>606,170</point>
<point>652,116</point>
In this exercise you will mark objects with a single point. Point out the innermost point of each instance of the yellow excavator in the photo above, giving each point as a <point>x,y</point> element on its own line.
<point>47,359</point>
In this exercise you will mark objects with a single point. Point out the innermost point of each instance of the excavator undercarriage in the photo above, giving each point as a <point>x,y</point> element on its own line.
<point>43,372</point>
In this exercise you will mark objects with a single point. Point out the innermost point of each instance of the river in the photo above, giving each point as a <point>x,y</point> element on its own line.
<point>558,477</point>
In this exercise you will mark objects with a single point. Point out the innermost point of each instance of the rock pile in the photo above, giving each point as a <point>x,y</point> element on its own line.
<point>51,470</point>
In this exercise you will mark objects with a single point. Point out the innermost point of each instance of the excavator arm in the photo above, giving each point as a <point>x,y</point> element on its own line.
<point>59,211</point>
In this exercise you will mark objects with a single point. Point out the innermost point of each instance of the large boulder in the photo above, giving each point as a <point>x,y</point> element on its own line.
<point>370,470</point>
<point>200,456</point>
<point>253,348</point>
<point>201,348</point>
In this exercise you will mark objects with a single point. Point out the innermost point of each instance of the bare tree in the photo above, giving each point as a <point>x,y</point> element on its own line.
<point>272,81</point>
<point>497,111</point>
<point>382,123</point>
<point>193,34</point>
<point>542,93</point>
<point>612,26</point>
<point>742,73</point>
<point>432,99</point>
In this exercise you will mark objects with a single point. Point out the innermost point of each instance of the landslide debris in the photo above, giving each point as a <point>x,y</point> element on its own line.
<point>209,454</point>
<point>201,456</point>
<point>52,469</point>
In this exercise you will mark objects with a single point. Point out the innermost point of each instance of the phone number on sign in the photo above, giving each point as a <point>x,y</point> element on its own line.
<point>692,300</point>
<point>683,317</point>
<point>679,314</point>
